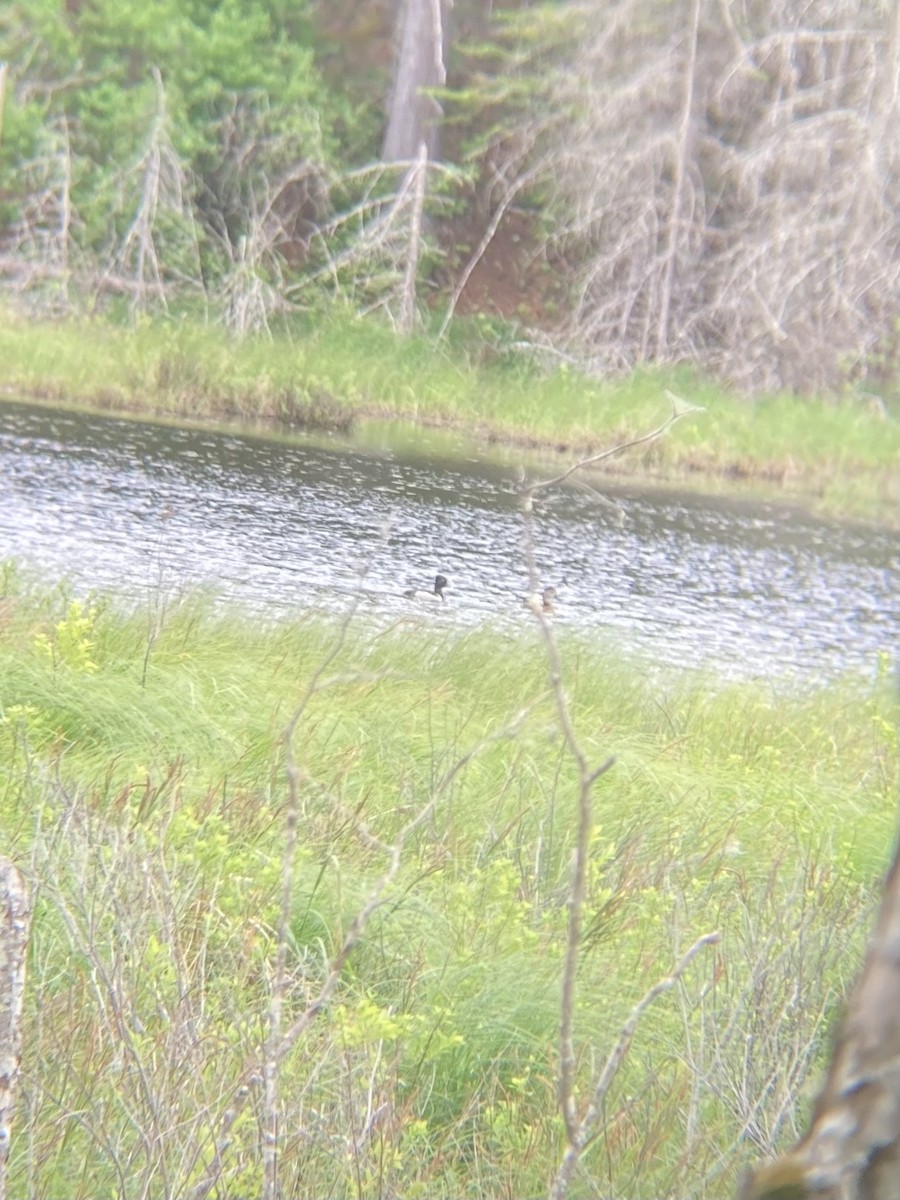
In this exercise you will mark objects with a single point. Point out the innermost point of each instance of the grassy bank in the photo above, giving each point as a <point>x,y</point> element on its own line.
<point>839,457</point>
<point>143,786</point>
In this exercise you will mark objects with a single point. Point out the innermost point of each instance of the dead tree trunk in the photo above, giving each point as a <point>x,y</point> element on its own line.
<point>413,113</point>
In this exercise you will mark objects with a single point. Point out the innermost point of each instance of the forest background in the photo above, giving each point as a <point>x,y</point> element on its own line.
<point>629,181</point>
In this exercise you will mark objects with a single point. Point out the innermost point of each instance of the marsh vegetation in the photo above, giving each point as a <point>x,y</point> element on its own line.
<point>426,782</point>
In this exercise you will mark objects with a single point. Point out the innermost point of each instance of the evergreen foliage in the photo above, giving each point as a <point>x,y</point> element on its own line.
<point>215,107</point>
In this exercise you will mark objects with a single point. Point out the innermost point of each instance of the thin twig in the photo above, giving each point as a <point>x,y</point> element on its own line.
<point>680,408</point>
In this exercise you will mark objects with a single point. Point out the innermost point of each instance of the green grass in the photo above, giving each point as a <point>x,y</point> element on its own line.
<point>143,786</point>
<point>837,455</point>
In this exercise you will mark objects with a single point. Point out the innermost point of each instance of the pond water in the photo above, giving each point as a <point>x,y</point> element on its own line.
<point>282,526</point>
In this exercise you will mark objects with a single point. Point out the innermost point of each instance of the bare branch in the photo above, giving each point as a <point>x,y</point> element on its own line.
<point>520,183</point>
<point>680,408</point>
<point>579,1127</point>
<point>586,1128</point>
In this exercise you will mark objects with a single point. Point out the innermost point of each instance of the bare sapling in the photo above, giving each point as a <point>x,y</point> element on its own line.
<point>583,1127</point>
<point>284,1035</point>
<point>407,316</point>
<point>581,1119</point>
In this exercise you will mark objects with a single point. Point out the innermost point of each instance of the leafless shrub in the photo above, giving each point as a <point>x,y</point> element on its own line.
<point>249,295</point>
<point>852,1147</point>
<point>754,1035</point>
<point>803,280</point>
<point>270,197</point>
<point>723,178</point>
<point>168,1035</point>
<point>136,989</point>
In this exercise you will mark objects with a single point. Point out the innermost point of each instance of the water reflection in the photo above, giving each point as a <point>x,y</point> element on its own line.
<point>750,589</point>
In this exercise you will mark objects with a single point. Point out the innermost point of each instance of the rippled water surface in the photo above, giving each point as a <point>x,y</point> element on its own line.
<point>740,588</point>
